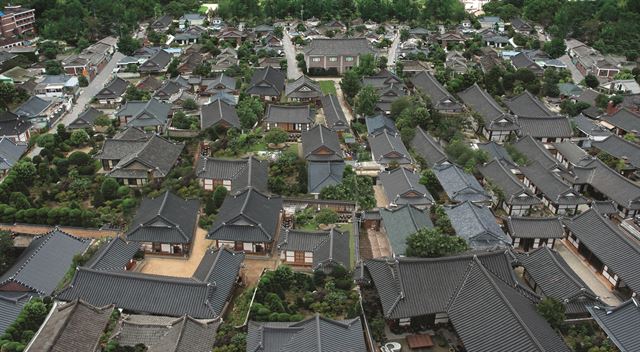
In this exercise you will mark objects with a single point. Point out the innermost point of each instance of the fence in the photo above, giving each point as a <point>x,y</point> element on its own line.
<point>178,133</point>
<point>30,229</point>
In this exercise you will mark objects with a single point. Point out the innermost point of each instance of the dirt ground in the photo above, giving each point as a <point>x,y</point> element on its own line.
<point>379,244</point>
<point>381,198</point>
<point>180,267</point>
<point>253,267</point>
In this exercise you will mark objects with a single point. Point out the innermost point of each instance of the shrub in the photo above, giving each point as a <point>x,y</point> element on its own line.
<point>79,158</point>
<point>109,188</point>
<point>276,136</point>
<point>326,216</point>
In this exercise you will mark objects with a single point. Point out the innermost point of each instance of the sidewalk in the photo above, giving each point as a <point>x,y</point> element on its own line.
<point>587,274</point>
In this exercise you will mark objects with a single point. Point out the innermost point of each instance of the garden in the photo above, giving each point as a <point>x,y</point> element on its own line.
<point>284,295</point>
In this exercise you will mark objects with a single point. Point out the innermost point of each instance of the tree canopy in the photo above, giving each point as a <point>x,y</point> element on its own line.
<point>431,243</point>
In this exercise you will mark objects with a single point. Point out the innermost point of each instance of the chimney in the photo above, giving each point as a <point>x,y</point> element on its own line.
<point>611,109</point>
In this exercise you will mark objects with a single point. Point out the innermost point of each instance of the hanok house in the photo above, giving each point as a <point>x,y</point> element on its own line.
<point>622,122</point>
<point>211,86</point>
<point>402,186</point>
<point>549,275</point>
<point>115,255</point>
<point>73,326</point>
<point>320,144</point>
<point>112,93</point>
<point>496,124</point>
<point>165,224</point>
<point>321,250</point>
<point>40,111</point>
<point>510,193</point>
<point>43,263</point>
<point>219,113</point>
<point>158,63</point>
<point>267,83</point>
<point>427,150</point>
<point>477,225</point>
<point>442,100</point>
<point>314,334</point>
<point>594,176</point>
<point>333,114</point>
<point>150,115</point>
<point>323,174</point>
<point>529,233</point>
<point>294,119</point>
<point>10,153</point>
<point>303,89</point>
<point>504,319</point>
<point>387,148</point>
<point>379,123</point>
<point>523,61</point>
<point>401,222</point>
<point>496,151</point>
<point>556,194</point>
<point>233,174</point>
<point>162,23</point>
<point>423,303</point>
<point>335,55</point>
<point>534,150</point>
<point>248,221</point>
<point>203,296</point>
<point>619,322</point>
<point>169,91</point>
<point>621,149</point>
<point>14,127</point>
<point>610,251</point>
<point>459,185</point>
<point>87,120</point>
<point>140,160</point>
<point>537,121</point>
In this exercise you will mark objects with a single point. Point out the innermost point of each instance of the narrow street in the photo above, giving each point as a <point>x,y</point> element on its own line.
<point>293,72</point>
<point>575,74</point>
<point>393,52</point>
<point>85,97</point>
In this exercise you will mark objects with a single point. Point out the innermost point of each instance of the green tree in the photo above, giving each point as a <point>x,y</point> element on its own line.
<point>25,171</point>
<point>553,311</point>
<point>591,81</point>
<point>109,188</point>
<point>350,84</point>
<point>218,196</point>
<point>555,47</point>
<point>49,49</point>
<point>128,45</point>
<point>276,136</point>
<point>7,254</point>
<point>431,243</point>
<point>53,67</point>
<point>172,69</point>
<point>366,100</point>
<point>190,104</point>
<point>326,216</point>
<point>79,138</point>
<point>250,110</point>
<point>83,81</point>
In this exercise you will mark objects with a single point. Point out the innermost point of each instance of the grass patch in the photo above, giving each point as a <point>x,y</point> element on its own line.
<point>241,307</point>
<point>328,87</point>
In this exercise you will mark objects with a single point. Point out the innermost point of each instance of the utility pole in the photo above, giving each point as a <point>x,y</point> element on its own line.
<point>302,12</point>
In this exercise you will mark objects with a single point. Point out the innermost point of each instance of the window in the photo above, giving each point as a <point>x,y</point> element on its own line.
<point>290,256</point>
<point>315,59</point>
<point>333,59</point>
<point>308,257</point>
<point>348,58</point>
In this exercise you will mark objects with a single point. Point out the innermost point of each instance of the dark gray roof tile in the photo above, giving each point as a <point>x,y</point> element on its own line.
<point>477,225</point>
<point>459,185</point>
<point>403,187</point>
<point>515,192</point>
<point>426,147</point>
<point>387,147</point>
<point>533,227</point>
<point>620,323</point>
<point>321,144</point>
<point>401,222</point>
<point>113,255</point>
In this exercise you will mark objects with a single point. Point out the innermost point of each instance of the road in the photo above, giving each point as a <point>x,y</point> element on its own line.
<point>393,52</point>
<point>293,72</point>
<point>575,74</point>
<point>84,98</point>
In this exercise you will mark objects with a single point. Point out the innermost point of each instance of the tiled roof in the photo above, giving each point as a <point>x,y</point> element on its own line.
<point>625,120</point>
<point>440,97</point>
<point>620,148</point>
<point>401,222</point>
<point>218,111</point>
<point>610,183</point>
<point>320,143</point>
<point>12,125</point>
<point>494,117</point>
<point>477,225</point>
<point>387,147</point>
<point>167,334</point>
<point>426,147</point>
<point>33,107</point>
<point>545,127</point>
<point>551,185</point>
<point>515,192</point>
<point>534,227</point>
<point>496,151</point>
<point>86,118</point>
<point>43,264</point>
<point>526,104</point>
<point>114,255</point>
<point>459,185</point>
<point>247,216</point>
<point>11,304</point>
<point>334,116</point>
<point>590,127</point>
<point>315,334</point>
<point>74,326</point>
<point>303,88</point>
<point>142,293</point>
<point>158,154</point>
<point>554,278</point>
<point>322,174</point>
<point>620,323</point>
<point>289,114</point>
<point>242,172</point>
<point>220,268</point>
<point>10,153</point>
<point>165,219</point>
<point>114,89</point>
<point>490,315</point>
<point>607,242</point>
<point>403,187</point>
<point>604,207</point>
<point>411,287</point>
<point>157,62</point>
<point>267,81</point>
<point>339,47</point>
<point>534,150</point>
<point>328,247</point>
<point>571,152</point>
<point>378,123</point>
<point>145,113</point>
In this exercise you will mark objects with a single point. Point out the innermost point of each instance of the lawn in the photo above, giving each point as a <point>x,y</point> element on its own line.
<point>328,87</point>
